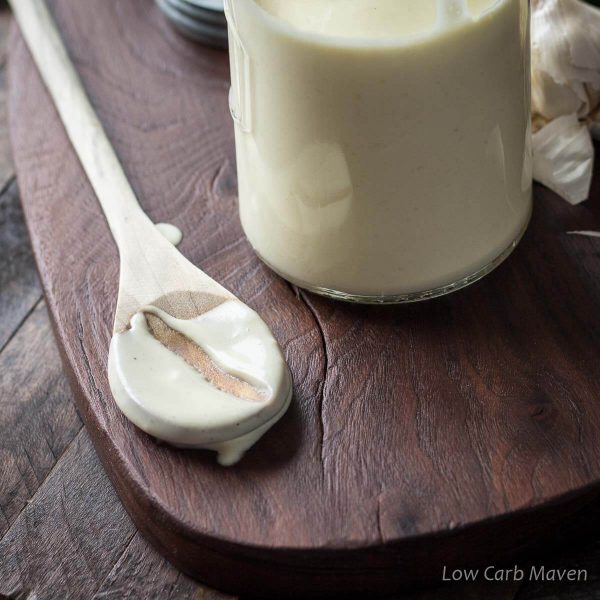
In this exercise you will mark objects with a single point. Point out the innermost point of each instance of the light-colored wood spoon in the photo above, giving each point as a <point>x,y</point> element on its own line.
<point>153,271</point>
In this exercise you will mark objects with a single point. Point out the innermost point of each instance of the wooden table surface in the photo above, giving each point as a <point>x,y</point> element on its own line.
<point>63,531</point>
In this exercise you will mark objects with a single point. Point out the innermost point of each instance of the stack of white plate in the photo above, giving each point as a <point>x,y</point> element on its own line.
<point>201,20</point>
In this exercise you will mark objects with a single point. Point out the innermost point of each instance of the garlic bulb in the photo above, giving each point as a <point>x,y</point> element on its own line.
<point>565,83</point>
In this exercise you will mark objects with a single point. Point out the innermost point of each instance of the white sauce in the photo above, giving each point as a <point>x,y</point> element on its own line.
<point>169,399</point>
<point>170,232</point>
<point>383,146</point>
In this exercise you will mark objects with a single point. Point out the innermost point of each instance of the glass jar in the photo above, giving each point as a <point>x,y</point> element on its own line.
<point>383,147</point>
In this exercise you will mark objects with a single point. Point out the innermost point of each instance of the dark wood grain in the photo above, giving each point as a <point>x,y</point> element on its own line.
<point>35,405</point>
<point>20,290</point>
<point>454,432</point>
<point>142,573</point>
<point>74,540</point>
<point>51,536</point>
<point>19,286</point>
<point>7,171</point>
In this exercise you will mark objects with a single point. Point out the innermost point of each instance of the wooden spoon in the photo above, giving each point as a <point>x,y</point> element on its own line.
<point>153,272</point>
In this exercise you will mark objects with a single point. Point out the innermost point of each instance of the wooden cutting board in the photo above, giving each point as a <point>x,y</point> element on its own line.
<point>456,432</point>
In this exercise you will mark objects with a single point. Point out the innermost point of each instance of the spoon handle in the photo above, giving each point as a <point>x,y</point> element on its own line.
<point>83,127</point>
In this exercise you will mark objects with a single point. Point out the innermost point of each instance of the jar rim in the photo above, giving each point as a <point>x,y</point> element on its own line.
<point>286,29</point>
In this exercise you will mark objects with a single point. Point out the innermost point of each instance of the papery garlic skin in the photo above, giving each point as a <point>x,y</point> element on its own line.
<point>565,58</point>
<point>563,158</point>
<point>551,100</point>
<point>565,94</point>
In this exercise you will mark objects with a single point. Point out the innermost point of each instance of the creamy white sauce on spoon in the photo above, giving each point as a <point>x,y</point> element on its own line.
<point>172,233</point>
<point>167,397</point>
